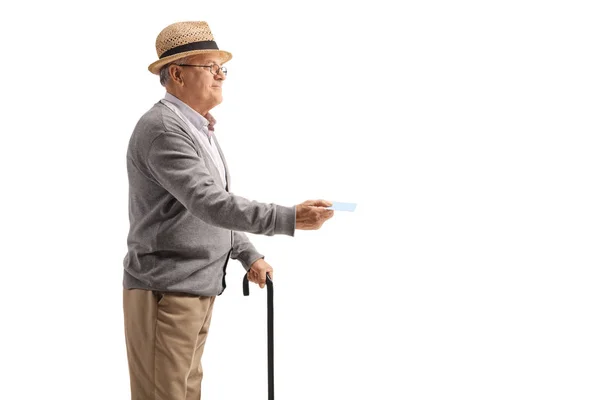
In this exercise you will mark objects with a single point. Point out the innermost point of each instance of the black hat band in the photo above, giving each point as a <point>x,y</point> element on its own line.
<point>204,45</point>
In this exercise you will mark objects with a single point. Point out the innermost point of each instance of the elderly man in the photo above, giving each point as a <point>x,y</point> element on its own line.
<point>184,222</point>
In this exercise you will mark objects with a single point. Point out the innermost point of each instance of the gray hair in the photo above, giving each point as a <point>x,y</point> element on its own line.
<point>164,71</point>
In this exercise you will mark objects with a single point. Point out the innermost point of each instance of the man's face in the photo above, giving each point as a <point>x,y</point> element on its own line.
<point>201,87</point>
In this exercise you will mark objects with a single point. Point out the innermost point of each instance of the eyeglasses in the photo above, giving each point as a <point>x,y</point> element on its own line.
<point>214,68</point>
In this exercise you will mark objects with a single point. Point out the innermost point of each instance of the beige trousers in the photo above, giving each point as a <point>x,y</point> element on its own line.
<point>165,335</point>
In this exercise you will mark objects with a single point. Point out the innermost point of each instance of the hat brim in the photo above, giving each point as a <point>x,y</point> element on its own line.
<point>157,65</point>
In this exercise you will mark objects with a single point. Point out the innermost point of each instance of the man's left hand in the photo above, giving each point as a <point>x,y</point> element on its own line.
<point>258,272</point>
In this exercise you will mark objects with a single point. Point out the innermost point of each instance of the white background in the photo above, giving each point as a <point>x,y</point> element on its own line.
<point>466,131</point>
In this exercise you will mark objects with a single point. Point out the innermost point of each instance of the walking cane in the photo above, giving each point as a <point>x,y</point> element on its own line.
<point>269,329</point>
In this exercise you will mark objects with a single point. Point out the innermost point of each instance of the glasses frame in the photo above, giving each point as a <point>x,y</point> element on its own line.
<point>219,68</point>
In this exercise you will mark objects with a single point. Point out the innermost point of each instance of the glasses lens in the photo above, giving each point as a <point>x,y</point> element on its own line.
<point>215,69</point>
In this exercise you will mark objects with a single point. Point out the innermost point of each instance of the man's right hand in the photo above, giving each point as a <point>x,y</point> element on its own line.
<point>311,214</point>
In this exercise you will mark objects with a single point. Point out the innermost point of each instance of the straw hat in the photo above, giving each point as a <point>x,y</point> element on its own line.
<point>183,39</point>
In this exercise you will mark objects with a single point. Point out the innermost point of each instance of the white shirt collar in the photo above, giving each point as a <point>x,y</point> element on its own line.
<point>192,115</point>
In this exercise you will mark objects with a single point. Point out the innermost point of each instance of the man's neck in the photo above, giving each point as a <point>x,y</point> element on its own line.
<point>181,96</point>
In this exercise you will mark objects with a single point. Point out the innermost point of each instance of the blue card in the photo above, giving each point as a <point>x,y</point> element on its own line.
<point>339,206</point>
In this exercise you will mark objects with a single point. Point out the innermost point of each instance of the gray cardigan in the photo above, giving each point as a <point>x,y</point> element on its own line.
<point>184,225</point>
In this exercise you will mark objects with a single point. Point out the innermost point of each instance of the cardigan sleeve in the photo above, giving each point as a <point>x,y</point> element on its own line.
<point>174,163</point>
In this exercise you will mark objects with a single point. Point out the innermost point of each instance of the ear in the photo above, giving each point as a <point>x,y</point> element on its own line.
<point>175,73</point>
